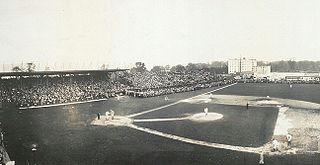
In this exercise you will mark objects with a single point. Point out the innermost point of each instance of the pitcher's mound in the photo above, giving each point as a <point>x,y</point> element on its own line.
<point>202,117</point>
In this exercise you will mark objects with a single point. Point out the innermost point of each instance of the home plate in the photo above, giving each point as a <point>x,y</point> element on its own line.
<point>202,117</point>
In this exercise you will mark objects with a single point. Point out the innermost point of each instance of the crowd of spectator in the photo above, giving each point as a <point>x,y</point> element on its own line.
<point>177,89</point>
<point>279,81</point>
<point>37,91</point>
<point>55,91</point>
<point>150,80</point>
<point>150,84</point>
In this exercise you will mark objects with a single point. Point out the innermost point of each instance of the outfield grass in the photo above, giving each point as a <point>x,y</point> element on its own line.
<point>305,92</point>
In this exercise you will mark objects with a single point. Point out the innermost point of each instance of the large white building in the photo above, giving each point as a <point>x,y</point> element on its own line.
<point>242,65</point>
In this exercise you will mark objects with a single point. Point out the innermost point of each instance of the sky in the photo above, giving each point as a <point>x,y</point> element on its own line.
<point>157,32</point>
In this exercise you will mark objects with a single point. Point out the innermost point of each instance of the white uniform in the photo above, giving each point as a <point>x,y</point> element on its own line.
<point>206,111</point>
<point>261,161</point>
<point>275,145</point>
<point>1,137</point>
<point>107,115</point>
<point>289,139</point>
<point>112,114</point>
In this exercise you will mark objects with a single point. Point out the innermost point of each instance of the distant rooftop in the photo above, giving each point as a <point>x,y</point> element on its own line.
<point>65,72</point>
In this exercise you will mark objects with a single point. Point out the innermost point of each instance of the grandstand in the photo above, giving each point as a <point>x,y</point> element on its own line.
<point>52,88</point>
<point>26,89</point>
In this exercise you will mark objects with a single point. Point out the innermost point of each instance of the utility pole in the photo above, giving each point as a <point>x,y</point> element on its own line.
<point>240,64</point>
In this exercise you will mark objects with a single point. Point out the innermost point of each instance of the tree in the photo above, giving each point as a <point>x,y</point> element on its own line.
<point>217,64</point>
<point>17,69</point>
<point>295,66</point>
<point>280,66</point>
<point>140,67</point>
<point>202,66</point>
<point>103,67</point>
<point>30,67</point>
<point>219,70</point>
<point>158,69</point>
<point>167,67</point>
<point>178,68</point>
<point>263,63</point>
<point>292,65</point>
<point>191,67</point>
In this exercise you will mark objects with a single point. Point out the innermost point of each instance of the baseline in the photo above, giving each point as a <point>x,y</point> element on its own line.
<point>198,142</point>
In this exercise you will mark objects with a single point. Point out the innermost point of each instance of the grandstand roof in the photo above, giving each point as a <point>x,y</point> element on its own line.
<point>40,73</point>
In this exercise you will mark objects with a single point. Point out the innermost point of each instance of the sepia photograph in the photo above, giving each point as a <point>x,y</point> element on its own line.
<point>159,82</point>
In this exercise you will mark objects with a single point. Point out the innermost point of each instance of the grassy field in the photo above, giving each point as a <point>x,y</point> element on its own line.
<point>65,136</point>
<point>305,92</point>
